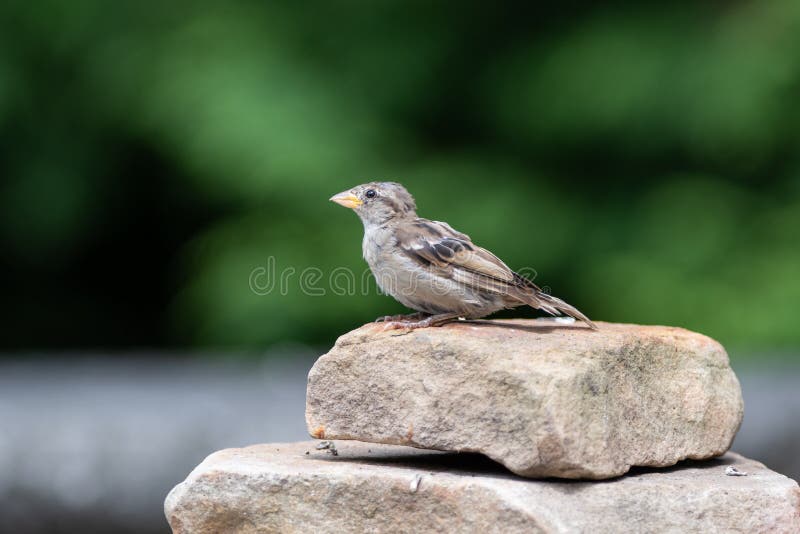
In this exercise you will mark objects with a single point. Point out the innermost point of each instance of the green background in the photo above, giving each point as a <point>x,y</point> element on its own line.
<point>642,158</point>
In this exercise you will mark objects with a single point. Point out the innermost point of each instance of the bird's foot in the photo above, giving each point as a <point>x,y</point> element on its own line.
<point>433,320</point>
<point>402,317</point>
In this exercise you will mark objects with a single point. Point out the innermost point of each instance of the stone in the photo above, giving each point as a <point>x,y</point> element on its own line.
<point>384,488</point>
<point>541,397</point>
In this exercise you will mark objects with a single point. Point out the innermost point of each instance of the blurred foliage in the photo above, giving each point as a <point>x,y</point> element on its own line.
<point>643,158</point>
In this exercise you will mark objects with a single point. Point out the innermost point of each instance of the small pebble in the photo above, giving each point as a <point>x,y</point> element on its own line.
<point>733,472</point>
<point>329,446</point>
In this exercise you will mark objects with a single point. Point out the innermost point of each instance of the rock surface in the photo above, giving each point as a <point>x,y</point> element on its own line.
<point>542,398</point>
<point>382,488</point>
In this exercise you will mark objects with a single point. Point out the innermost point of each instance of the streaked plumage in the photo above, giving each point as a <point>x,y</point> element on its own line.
<point>432,268</point>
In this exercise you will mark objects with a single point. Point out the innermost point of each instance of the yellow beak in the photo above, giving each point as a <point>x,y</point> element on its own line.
<point>346,199</point>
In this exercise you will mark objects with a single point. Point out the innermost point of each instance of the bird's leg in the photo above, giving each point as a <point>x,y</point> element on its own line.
<point>433,320</point>
<point>402,317</point>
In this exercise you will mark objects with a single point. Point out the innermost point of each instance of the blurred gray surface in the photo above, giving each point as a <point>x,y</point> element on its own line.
<point>95,444</point>
<point>770,431</point>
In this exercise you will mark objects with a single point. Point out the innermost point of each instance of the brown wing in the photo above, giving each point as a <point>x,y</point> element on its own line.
<point>437,245</point>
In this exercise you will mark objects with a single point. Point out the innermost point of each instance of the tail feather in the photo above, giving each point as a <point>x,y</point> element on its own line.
<point>556,306</point>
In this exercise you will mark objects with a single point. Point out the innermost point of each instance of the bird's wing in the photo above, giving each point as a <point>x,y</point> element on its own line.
<point>436,244</point>
<point>452,254</point>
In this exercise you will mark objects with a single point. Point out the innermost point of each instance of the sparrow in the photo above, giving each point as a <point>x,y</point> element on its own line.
<point>430,267</point>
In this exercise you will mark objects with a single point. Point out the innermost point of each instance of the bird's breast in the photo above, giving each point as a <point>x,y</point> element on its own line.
<point>371,251</point>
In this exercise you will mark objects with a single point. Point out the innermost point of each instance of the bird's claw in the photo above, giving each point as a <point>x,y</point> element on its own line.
<point>433,320</point>
<point>409,325</point>
<point>398,318</point>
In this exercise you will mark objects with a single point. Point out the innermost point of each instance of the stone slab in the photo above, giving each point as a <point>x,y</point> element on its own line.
<point>294,487</point>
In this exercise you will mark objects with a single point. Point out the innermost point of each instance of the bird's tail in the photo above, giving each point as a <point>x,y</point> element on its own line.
<point>556,306</point>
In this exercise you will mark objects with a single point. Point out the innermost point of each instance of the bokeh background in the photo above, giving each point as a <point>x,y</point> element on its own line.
<point>642,158</point>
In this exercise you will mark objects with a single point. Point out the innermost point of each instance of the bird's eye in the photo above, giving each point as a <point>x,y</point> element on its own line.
<point>370,193</point>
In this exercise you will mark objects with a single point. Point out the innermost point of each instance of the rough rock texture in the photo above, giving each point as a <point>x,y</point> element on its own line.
<point>543,399</point>
<point>384,488</point>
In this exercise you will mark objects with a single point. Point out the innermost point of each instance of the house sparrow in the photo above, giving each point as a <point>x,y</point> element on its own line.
<point>432,268</point>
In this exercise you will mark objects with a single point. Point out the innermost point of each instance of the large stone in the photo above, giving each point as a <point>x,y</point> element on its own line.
<point>542,398</point>
<point>382,488</point>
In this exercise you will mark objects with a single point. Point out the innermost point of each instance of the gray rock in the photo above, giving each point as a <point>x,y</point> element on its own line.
<point>382,488</point>
<point>543,399</point>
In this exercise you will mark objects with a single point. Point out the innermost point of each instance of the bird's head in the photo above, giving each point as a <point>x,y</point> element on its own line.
<point>378,202</point>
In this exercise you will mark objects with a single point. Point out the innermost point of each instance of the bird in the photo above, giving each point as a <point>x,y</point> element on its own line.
<point>434,269</point>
